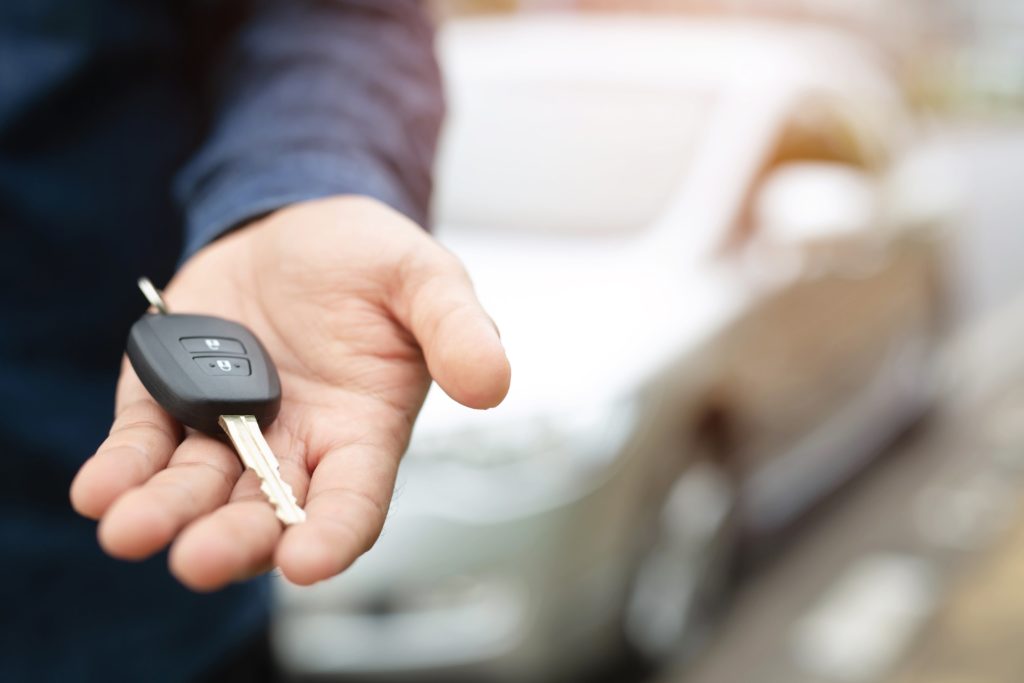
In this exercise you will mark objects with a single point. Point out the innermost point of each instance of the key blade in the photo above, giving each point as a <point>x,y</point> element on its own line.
<point>255,453</point>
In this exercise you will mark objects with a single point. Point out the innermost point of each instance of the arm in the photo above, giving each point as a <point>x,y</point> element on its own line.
<point>357,305</point>
<point>314,98</point>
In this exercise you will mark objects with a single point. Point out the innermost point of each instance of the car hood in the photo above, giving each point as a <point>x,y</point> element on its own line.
<point>582,321</point>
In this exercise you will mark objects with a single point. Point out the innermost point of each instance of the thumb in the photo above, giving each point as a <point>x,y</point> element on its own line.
<point>436,302</point>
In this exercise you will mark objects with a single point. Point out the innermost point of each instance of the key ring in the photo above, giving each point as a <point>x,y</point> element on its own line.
<point>153,295</point>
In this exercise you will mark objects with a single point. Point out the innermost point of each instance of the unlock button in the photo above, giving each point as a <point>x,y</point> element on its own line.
<point>212,345</point>
<point>224,366</point>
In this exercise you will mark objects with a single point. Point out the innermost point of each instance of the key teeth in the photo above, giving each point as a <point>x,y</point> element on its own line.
<point>300,516</point>
<point>268,490</point>
<point>281,508</point>
<point>255,453</point>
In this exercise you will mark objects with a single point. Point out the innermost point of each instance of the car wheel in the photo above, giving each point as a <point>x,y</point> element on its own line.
<point>685,573</point>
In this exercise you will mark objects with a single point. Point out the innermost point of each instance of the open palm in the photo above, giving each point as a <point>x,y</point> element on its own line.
<point>359,309</point>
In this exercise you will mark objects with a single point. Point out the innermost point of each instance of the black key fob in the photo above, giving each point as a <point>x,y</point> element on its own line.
<point>199,367</point>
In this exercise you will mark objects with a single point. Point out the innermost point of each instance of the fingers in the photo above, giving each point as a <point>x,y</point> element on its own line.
<point>236,541</point>
<point>348,499</point>
<point>233,543</point>
<point>198,479</point>
<point>460,342</point>
<point>141,441</point>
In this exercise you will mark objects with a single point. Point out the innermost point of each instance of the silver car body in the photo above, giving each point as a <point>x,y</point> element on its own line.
<point>595,178</point>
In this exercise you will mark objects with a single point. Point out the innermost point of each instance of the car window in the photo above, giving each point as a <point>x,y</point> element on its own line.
<point>564,158</point>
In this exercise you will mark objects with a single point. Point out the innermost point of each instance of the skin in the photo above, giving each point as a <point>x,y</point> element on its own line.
<point>359,309</point>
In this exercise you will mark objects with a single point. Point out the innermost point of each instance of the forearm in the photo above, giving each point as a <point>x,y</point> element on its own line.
<point>316,98</point>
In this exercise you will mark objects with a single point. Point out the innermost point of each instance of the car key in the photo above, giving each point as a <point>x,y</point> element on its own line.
<point>212,374</point>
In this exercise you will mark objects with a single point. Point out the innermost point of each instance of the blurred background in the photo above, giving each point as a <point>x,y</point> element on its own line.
<point>757,266</point>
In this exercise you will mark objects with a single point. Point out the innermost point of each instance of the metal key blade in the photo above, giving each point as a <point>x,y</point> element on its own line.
<point>255,453</point>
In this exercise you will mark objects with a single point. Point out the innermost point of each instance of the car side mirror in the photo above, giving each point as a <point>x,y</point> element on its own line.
<point>814,201</point>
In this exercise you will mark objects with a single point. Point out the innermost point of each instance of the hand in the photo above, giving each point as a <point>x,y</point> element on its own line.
<point>358,308</point>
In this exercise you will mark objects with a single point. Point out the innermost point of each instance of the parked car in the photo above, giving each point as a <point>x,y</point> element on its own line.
<point>721,291</point>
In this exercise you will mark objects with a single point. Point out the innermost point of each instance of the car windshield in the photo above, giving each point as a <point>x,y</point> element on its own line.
<point>564,158</point>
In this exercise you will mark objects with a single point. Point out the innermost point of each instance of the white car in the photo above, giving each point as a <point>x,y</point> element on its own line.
<point>720,289</point>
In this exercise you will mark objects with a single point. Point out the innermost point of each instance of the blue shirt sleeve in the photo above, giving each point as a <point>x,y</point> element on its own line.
<point>316,98</point>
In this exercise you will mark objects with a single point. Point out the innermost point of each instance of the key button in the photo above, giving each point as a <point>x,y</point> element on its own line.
<point>224,367</point>
<point>212,345</point>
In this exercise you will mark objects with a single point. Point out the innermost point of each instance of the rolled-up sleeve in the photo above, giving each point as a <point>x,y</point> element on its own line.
<point>314,98</point>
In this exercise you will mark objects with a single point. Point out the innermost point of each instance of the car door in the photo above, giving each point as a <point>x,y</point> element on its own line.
<point>813,372</point>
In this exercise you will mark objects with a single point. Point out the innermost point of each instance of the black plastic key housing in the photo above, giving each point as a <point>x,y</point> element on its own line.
<point>199,367</point>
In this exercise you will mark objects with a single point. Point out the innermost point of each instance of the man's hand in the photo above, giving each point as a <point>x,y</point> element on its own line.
<point>359,308</point>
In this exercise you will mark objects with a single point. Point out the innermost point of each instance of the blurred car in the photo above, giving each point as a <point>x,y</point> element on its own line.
<point>720,288</point>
